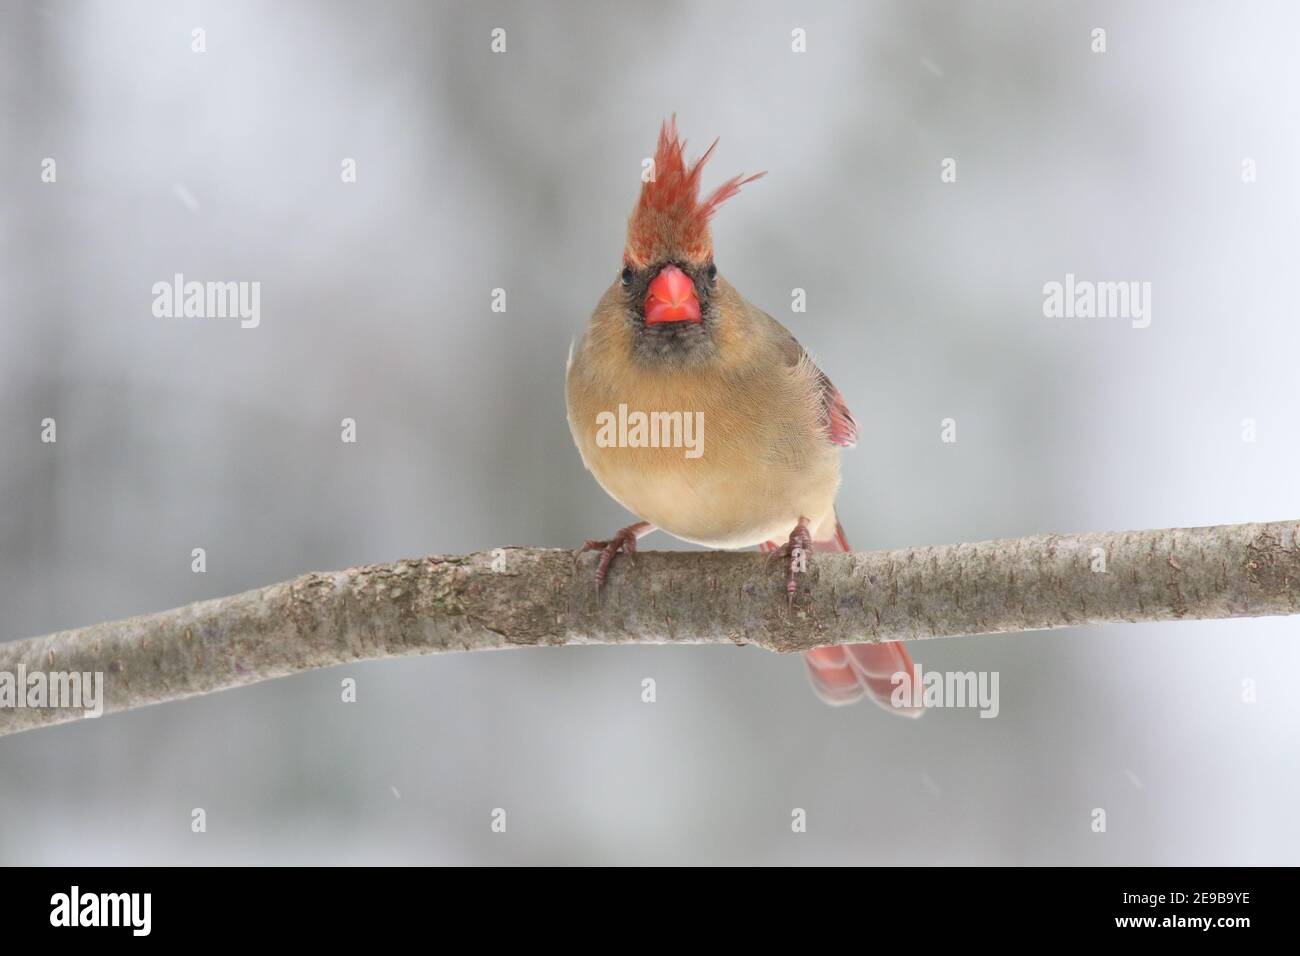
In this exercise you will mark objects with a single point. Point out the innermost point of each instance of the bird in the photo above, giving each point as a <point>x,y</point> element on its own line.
<point>671,343</point>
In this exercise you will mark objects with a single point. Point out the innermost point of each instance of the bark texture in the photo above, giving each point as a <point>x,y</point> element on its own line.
<point>531,597</point>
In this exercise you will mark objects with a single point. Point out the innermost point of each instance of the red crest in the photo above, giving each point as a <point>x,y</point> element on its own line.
<point>670,221</point>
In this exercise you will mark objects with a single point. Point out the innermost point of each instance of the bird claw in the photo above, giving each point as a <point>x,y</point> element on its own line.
<point>624,540</point>
<point>795,555</point>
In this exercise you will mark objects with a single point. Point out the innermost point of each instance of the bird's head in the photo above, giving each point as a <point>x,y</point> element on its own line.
<point>669,281</point>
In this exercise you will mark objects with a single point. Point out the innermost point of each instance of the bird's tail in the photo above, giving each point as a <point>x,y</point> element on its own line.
<point>843,673</point>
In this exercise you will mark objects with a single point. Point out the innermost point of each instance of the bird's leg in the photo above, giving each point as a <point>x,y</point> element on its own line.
<point>795,554</point>
<point>624,540</point>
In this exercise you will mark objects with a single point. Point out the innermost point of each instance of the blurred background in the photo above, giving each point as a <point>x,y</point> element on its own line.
<point>478,170</point>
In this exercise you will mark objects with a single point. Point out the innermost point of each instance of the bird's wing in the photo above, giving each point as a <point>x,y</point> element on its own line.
<point>841,428</point>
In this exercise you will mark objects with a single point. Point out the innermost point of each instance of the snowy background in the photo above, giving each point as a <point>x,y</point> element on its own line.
<point>478,170</point>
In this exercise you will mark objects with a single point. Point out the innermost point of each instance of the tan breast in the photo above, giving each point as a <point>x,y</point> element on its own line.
<point>757,464</point>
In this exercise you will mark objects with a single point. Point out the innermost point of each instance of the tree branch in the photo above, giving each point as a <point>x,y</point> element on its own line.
<point>528,597</point>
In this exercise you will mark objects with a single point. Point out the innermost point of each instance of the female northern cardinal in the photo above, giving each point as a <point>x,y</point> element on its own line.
<point>671,339</point>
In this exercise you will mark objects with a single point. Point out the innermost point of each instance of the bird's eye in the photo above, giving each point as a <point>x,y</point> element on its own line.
<point>712,273</point>
<point>626,277</point>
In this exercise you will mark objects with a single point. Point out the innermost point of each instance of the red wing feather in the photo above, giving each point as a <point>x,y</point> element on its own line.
<point>842,427</point>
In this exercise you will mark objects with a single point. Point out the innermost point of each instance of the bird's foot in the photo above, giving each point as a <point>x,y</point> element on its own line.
<point>795,555</point>
<point>624,540</point>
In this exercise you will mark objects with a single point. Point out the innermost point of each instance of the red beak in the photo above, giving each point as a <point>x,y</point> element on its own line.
<point>671,298</point>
